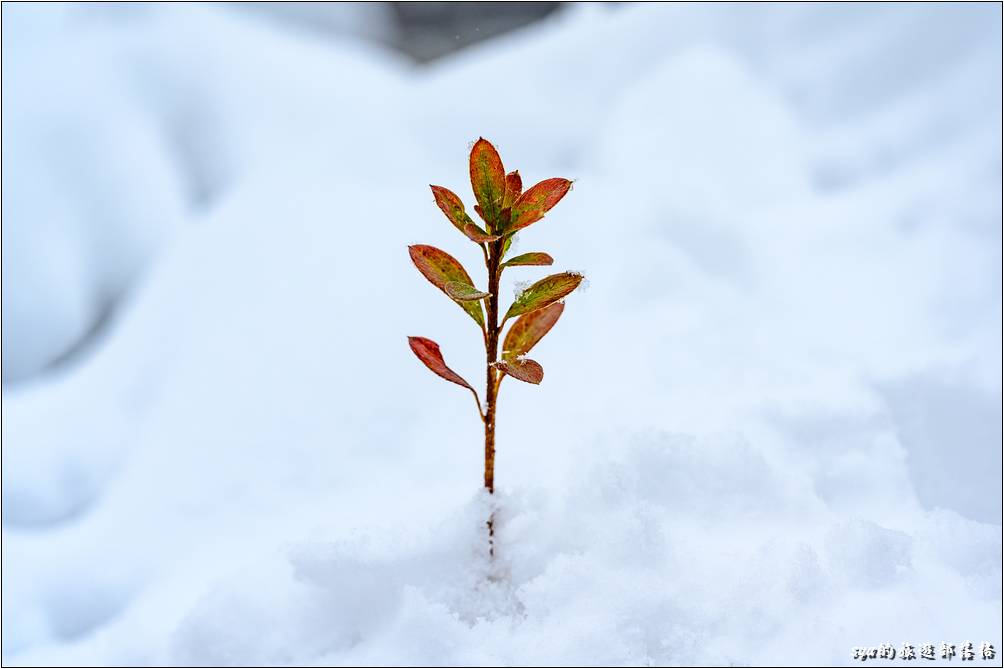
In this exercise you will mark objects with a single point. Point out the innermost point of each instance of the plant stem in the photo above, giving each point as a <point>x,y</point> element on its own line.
<point>493,261</point>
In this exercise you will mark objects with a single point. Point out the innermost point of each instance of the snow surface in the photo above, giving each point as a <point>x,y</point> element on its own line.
<point>769,430</point>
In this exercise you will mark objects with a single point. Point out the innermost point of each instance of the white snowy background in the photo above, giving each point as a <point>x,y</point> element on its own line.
<point>770,428</point>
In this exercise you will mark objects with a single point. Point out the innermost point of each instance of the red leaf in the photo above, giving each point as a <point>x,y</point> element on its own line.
<point>487,180</point>
<point>529,329</point>
<point>532,258</point>
<point>534,203</point>
<point>440,268</point>
<point>453,207</point>
<point>513,188</point>
<point>428,352</point>
<point>523,369</point>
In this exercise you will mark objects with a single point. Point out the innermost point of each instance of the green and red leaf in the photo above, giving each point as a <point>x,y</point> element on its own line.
<point>547,291</point>
<point>537,201</point>
<point>506,244</point>
<point>513,188</point>
<point>523,369</point>
<point>488,181</point>
<point>462,292</point>
<point>529,329</point>
<point>532,258</point>
<point>502,222</point>
<point>428,352</point>
<point>453,207</point>
<point>440,268</point>
<point>476,234</point>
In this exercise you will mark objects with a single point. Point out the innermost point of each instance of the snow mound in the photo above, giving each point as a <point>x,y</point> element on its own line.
<point>123,128</point>
<point>677,551</point>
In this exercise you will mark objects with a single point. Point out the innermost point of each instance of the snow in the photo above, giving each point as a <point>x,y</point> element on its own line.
<point>768,432</point>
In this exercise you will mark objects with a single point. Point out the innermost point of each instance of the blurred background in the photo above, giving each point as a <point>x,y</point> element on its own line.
<point>790,219</point>
<point>419,32</point>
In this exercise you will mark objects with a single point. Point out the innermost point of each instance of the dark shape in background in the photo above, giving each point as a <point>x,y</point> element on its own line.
<point>429,30</point>
<point>422,30</point>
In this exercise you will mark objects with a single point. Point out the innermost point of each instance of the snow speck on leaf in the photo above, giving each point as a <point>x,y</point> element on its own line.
<point>523,369</point>
<point>547,291</point>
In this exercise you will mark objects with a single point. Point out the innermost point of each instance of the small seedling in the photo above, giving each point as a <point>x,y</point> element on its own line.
<point>505,208</point>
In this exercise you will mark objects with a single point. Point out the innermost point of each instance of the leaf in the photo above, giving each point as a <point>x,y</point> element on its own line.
<point>440,268</point>
<point>476,234</point>
<point>487,180</point>
<point>502,222</point>
<point>534,203</point>
<point>523,369</point>
<point>547,291</point>
<point>532,258</point>
<point>513,188</point>
<point>453,207</point>
<point>463,292</point>
<point>428,352</point>
<point>529,329</point>
<point>506,244</point>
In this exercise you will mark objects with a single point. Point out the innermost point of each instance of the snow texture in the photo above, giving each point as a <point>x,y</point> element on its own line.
<point>769,431</point>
